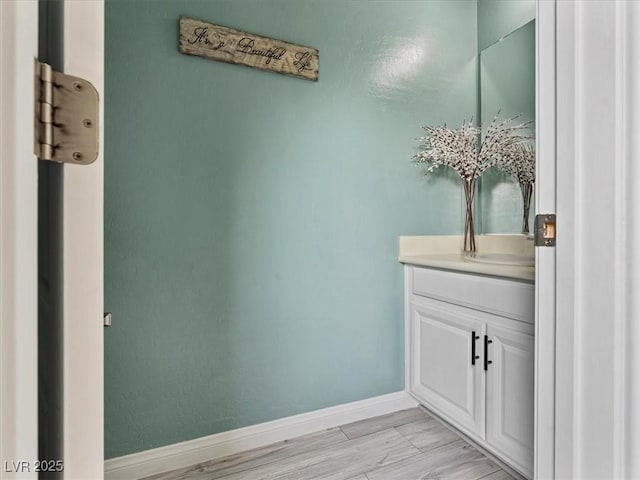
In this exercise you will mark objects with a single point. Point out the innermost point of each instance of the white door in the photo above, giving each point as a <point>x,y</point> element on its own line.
<point>82,362</point>
<point>18,242</point>
<point>510,394</point>
<point>445,372</point>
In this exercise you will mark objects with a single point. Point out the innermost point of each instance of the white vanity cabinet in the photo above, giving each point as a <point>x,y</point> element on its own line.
<point>470,356</point>
<point>509,387</point>
<point>441,371</point>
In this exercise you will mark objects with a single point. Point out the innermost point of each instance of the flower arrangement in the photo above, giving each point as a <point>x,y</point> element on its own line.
<point>463,151</point>
<point>521,165</point>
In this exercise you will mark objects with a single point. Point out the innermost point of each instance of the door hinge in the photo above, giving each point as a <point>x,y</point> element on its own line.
<point>66,117</point>
<point>545,231</point>
<point>106,319</point>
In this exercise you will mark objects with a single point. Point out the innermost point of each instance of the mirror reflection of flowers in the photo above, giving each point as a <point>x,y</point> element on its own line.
<point>469,156</point>
<point>520,163</point>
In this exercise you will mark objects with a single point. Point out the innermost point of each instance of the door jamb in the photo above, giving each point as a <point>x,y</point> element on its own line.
<point>82,265</point>
<point>544,423</point>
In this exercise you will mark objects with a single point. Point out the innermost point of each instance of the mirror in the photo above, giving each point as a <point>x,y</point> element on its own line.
<point>507,83</point>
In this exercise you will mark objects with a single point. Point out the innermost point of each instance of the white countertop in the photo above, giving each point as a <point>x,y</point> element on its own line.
<point>445,252</point>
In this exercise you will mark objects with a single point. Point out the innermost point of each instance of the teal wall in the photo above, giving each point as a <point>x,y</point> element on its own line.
<point>252,219</point>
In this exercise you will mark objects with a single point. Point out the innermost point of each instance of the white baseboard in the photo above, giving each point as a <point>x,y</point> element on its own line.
<point>178,455</point>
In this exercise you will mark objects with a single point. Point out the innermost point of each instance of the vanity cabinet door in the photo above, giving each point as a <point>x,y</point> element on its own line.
<point>510,394</point>
<point>442,374</point>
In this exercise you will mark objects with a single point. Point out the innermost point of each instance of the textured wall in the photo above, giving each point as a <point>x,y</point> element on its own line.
<point>252,218</point>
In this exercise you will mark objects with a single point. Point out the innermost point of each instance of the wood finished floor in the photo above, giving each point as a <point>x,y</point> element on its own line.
<point>405,445</point>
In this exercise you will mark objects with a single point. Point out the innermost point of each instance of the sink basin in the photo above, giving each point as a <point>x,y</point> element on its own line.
<point>503,259</point>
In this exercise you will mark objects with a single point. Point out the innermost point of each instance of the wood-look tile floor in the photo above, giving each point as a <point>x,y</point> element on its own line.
<point>405,445</point>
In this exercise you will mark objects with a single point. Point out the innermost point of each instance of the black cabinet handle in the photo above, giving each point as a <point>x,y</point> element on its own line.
<point>474,357</point>
<point>487,362</point>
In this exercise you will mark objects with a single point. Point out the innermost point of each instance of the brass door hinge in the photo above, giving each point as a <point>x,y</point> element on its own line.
<point>545,232</point>
<point>66,117</point>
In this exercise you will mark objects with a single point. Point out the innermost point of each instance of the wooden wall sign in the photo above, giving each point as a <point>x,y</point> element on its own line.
<point>233,46</point>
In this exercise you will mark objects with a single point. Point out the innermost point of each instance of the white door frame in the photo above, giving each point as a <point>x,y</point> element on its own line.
<point>597,392</point>
<point>545,325</point>
<point>83,191</point>
<point>628,334</point>
<point>18,238</point>
<point>83,381</point>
